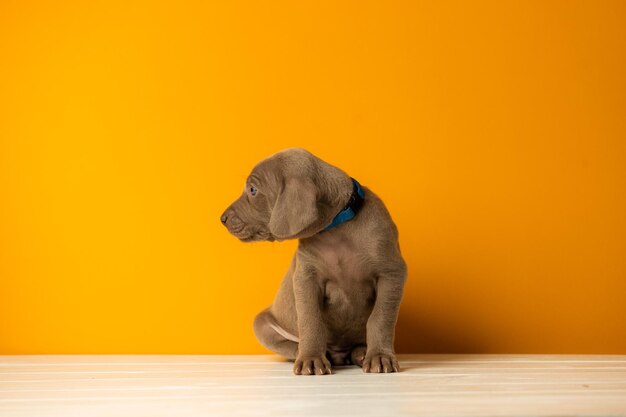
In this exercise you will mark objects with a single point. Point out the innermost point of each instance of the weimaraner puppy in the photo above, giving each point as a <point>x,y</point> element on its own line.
<point>338,303</point>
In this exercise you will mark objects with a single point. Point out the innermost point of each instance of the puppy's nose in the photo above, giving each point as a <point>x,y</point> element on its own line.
<point>224,218</point>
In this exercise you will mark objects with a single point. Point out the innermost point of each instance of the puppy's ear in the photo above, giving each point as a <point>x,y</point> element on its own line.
<point>295,208</point>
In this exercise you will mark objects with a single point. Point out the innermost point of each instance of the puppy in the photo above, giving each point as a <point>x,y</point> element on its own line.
<point>338,303</point>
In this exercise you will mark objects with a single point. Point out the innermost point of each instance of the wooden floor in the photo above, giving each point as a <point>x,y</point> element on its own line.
<point>428,385</point>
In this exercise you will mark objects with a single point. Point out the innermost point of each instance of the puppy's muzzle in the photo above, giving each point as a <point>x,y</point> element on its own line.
<point>228,218</point>
<point>234,224</point>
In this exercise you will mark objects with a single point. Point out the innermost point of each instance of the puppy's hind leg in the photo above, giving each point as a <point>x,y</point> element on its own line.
<point>358,355</point>
<point>274,337</point>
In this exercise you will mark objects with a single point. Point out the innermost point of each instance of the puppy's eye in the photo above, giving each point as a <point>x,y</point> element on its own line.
<point>253,191</point>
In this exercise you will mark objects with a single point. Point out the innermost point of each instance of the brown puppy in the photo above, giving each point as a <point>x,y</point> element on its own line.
<point>340,298</point>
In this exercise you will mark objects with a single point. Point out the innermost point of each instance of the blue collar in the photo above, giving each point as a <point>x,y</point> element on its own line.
<point>352,208</point>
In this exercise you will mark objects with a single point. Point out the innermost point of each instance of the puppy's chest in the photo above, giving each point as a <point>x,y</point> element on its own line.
<point>342,263</point>
<point>345,274</point>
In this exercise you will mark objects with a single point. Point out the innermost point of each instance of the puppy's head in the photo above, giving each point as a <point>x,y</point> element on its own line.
<point>291,194</point>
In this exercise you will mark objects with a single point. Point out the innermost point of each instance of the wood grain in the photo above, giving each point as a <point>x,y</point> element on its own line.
<point>217,385</point>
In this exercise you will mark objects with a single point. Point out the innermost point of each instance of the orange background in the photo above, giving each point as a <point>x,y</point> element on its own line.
<point>494,131</point>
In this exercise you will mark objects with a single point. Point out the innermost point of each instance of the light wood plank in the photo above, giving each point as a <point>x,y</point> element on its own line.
<point>429,385</point>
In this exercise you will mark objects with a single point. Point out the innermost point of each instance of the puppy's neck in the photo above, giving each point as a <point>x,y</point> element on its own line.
<point>352,207</point>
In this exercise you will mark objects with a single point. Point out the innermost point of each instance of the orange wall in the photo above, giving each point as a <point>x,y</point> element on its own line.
<point>494,131</point>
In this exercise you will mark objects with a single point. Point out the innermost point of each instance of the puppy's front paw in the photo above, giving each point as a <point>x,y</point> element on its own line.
<point>311,365</point>
<point>380,362</point>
